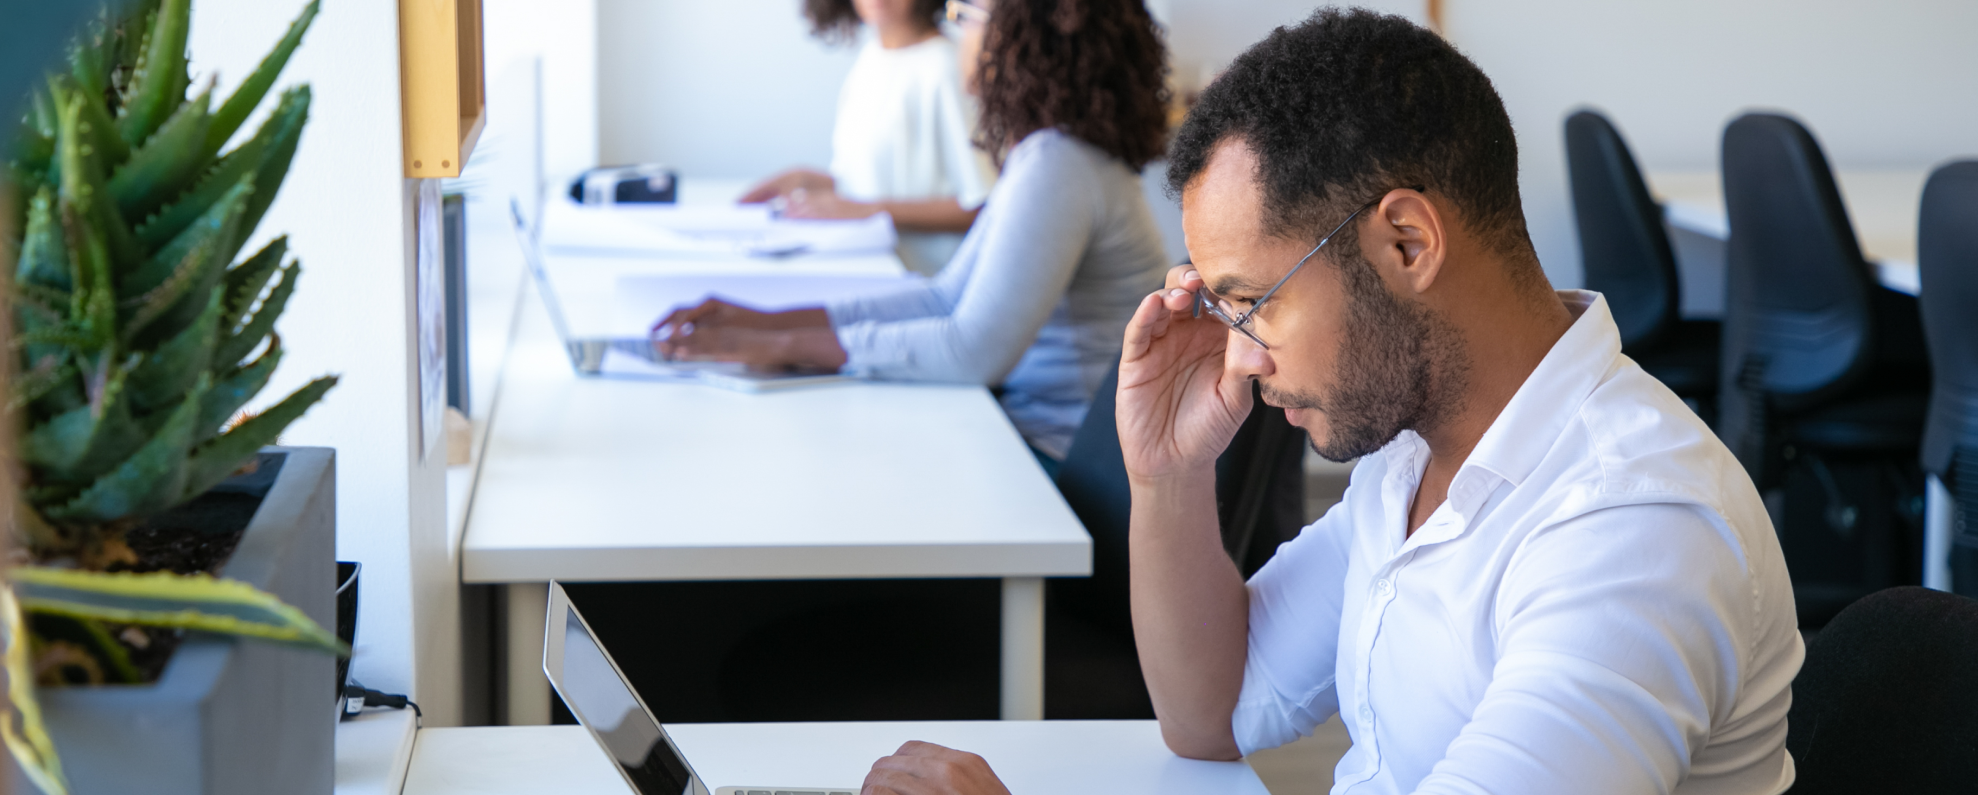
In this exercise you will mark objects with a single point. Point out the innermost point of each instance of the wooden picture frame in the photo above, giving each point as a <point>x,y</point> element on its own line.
<point>442,84</point>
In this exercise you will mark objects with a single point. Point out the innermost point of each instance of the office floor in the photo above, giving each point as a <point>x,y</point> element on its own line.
<point>1305,767</point>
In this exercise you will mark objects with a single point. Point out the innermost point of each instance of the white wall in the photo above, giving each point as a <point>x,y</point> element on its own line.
<point>563,36</point>
<point>348,213</point>
<point>741,89</point>
<point>1886,84</point>
<point>736,88</point>
<point>1205,35</point>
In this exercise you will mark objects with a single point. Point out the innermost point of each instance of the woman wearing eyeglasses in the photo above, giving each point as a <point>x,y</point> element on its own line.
<point>901,143</point>
<point>1073,104</point>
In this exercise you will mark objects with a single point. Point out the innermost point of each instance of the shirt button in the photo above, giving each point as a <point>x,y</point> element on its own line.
<point>1383,588</point>
<point>1366,712</point>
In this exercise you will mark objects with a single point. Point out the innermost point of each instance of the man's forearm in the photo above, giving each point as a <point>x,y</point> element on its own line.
<point>1190,614</point>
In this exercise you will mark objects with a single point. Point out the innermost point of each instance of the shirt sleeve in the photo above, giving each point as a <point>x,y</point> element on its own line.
<point>1618,633</point>
<point>974,321</point>
<point>1295,604</point>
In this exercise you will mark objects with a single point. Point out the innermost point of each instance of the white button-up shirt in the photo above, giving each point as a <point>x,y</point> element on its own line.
<point>1600,606</point>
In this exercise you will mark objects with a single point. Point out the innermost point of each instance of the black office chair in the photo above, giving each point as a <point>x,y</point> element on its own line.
<point>1092,669</point>
<point>1947,254</point>
<point>926,650</point>
<point>1887,700</point>
<point>1824,378</point>
<point>1627,258</point>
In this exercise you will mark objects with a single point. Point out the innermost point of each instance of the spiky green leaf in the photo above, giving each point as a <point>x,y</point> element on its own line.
<point>160,82</point>
<point>213,461</point>
<point>98,129</point>
<point>258,327</point>
<point>165,165</point>
<point>76,447</point>
<point>232,391</point>
<point>192,260</point>
<point>164,375</point>
<point>244,99</point>
<point>152,479</point>
<point>82,187</point>
<point>93,297</point>
<point>44,257</point>
<point>282,129</point>
<point>163,599</point>
<point>41,115</point>
<point>30,385</point>
<point>273,168</point>
<point>247,281</point>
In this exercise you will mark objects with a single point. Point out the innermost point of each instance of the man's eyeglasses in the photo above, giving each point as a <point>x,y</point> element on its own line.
<point>1221,309</point>
<point>960,11</point>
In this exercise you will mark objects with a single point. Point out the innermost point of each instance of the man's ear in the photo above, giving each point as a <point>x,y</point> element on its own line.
<point>1406,240</point>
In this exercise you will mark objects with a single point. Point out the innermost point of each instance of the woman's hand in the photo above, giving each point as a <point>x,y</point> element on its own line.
<point>1177,408</point>
<point>825,204</point>
<point>800,339</point>
<point>927,769</point>
<point>782,185</point>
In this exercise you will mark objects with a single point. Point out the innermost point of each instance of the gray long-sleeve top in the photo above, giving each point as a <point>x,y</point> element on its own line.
<point>1037,297</point>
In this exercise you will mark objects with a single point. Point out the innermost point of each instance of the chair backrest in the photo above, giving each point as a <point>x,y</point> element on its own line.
<point>1259,496</point>
<point>1887,700</point>
<point>1947,254</point>
<point>1622,241</point>
<point>1797,318</point>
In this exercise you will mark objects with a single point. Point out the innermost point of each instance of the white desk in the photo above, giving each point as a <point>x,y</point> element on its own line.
<point>1031,757</point>
<point>1883,206</point>
<point>613,480</point>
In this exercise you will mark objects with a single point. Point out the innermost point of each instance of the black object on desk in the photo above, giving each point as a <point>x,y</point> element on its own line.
<point>641,184</point>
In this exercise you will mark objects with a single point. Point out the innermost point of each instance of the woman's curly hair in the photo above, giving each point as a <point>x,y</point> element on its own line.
<point>1094,69</point>
<point>837,21</point>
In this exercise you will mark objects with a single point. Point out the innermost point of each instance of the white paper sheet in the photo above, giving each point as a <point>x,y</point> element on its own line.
<point>749,229</point>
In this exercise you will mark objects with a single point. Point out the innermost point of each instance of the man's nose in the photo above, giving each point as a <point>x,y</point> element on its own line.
<point>1244,358</point>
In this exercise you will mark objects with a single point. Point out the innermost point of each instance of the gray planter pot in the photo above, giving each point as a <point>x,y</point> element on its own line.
<point>227,716</point>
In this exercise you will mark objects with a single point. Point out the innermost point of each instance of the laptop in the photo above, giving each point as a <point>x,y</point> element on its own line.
<point>635,357</point>
<point>596,692</point>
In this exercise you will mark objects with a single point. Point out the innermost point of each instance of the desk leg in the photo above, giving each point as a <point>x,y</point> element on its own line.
<point>1937,508</point>
<point>528,688</point>
<point>1023,648</point>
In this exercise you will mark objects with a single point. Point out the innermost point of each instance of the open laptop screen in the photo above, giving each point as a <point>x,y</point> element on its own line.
<point>592,688</point>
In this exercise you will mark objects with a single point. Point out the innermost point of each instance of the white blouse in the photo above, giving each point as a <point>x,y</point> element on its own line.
<point>903,133</point>
<point>1600,606</point>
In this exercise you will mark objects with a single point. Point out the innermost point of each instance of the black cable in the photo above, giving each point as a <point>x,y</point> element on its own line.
<point>365,697</point>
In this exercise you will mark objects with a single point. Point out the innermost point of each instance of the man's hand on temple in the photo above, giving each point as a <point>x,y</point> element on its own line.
<point>927,769</point>
<point>1177,410</point>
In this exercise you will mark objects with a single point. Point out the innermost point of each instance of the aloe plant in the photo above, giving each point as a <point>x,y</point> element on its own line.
<point>139,335</point>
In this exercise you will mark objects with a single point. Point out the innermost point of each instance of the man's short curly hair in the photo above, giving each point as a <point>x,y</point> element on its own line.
<point>1350,104</point>
<point>1095,69</point>
<point>837,21</point>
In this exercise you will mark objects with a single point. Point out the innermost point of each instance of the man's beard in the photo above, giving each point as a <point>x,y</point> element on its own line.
<point>1400,367</point>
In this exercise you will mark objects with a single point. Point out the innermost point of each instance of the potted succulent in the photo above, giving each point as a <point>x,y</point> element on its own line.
<point>139,335</point>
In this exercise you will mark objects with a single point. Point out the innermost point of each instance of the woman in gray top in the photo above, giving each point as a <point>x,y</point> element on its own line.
<point>1037,297</point>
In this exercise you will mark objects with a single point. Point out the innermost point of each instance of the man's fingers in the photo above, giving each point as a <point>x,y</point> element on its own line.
<point>1148,321</point>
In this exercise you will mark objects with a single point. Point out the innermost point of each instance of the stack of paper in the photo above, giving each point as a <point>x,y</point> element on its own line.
<point>749,229</point>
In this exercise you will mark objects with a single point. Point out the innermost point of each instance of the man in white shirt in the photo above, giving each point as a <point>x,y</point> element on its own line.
<point>1547,575</point>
